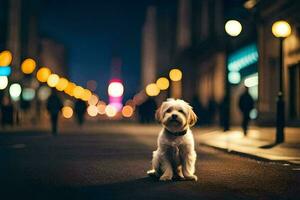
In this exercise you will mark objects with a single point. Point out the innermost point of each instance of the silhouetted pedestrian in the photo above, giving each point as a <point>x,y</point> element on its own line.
<point>54,105</point>
<point>80,109</point>
<point>246,104</point>
<point>7,112</point>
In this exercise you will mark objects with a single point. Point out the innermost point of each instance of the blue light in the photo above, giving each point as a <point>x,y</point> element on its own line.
<point>5,71</point>
<point>243,58</point>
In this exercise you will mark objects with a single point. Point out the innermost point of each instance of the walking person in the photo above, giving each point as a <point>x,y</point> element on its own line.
<point>246,104</point>
<point>54,106</point>
<point>80,109</point>
<point>7,112</point>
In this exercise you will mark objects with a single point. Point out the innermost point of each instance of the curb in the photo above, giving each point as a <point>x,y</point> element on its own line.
<point>247,155</point>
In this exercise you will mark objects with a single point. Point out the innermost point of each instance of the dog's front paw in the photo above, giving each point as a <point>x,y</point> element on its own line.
<point>165,178</point>
<point>191,178</point>
<point>152,173</point>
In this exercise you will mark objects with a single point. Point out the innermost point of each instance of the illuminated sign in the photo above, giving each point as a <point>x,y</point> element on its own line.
<point>243,58</point>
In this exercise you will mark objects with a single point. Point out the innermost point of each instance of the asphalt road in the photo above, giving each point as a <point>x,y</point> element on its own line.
<point>113,164</point>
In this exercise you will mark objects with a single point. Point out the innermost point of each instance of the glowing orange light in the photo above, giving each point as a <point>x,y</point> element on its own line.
<point>5,58</point>
<point>62,84</point>
<point>152,90</point>
<point>175,75</point>
<point>28,66</point>
<point>67,112</point>
<point>101,107</point>
<point>92,110</point>
<point>127,111</point>
<point>43,74</point>
<point>86,95</point>
<point>93,100</point>
<point>70,89</point>
<point>78,92</point>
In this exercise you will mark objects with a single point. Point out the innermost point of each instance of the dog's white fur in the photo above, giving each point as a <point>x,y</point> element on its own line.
<point>175,156</point>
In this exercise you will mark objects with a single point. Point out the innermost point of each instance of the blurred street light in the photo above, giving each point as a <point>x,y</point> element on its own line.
<point>163,83</point>
<point>62,84</point>
<point>78,92</point>
<point>101,107</point>
<point>43,74</point>
<point>28,66</point>
<point>175,75</point>
<point>93,100</point>
<point>127,111</point>
<point>53,80</point>
<point>91,85</point>
<point>152,90</point>
<point>92,110</point>
<point>15,91</point>
<point>3,82</point>
<point>280,29</point>
<point>70,89</point>
<point>67,112</point>
<point>233,28</point>
<point>110,110</point>
<point>87,94</point>
<point>115,89</point>
<point>5,58</point>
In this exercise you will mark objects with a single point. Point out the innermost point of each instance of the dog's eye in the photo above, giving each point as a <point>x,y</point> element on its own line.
<point>181,111</point>
<point>169,110</point>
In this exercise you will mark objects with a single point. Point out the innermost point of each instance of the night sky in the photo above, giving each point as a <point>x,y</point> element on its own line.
<point>93,31</point>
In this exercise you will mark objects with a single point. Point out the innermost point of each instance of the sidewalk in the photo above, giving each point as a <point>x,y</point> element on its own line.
<point>258,143</point>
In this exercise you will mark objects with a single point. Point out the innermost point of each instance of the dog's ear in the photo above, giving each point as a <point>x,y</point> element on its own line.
<point>192,117</point>
<point>158,114</point>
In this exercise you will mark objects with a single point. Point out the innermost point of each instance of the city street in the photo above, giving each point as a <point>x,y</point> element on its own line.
<point>110,162</point>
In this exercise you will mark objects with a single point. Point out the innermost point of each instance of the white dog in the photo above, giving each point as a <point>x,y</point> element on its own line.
<point>175,156</point>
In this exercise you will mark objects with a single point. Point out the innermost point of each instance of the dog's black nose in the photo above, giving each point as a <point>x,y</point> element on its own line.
<point>174,116</point>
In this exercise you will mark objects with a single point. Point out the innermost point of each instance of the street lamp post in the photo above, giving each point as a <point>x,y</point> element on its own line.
<point>280,29</point>
<point>233,28</point>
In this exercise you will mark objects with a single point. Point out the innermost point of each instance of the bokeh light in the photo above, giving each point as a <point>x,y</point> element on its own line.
<point>101,107</point>
<point>53,80</point>
<point>15,91</point>
<point>67,112</point>
<point>5,58</point>
<point>62,84</point>
<point>78,92</point>
<point>28,66</point>
<point>115,89</point>
<point>28,94</point>
<point>3,82</point>
<point>175,75</point>
<point>163,83</point>
<point>152,90</point>
<point>70,89</point>
<point>281,29</point>
<point>110,111</point>
<point>43,93</point>
<point>43,74</point>
<point>87,94</point>
<point>5,71</point>
<point>127,111</point>
<point>93,100</point>
<point>233,28</point>
<point>91,85</point>
<point>92,110</point>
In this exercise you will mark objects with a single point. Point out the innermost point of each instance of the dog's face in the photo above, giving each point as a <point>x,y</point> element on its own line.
<point>176,115</point>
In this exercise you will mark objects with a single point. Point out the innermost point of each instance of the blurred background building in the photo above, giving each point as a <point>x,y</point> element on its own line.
<point>194,40</point>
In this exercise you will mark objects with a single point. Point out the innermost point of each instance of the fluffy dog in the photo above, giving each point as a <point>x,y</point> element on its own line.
<point>175,156</point>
